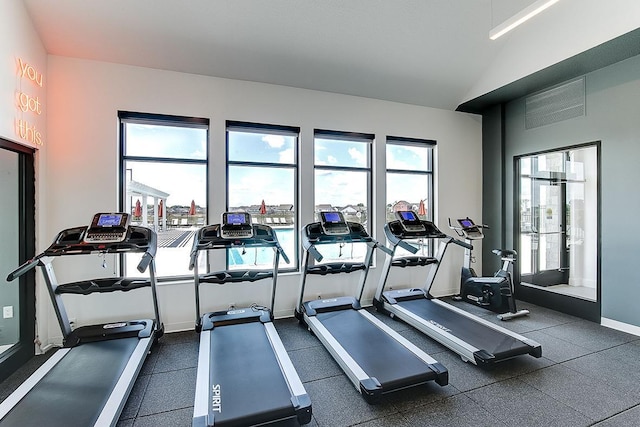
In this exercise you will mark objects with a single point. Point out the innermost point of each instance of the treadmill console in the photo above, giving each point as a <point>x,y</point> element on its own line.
<point>333,223</point>
<point>470,229</point>
<point>236,225</point>
<point>410,221</point>
<point>108,228</point>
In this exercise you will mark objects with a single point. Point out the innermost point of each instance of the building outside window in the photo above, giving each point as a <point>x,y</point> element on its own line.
<point>410,182</point>
<point>262,179</point>
<point>342,182</point>
<point>164,185</point>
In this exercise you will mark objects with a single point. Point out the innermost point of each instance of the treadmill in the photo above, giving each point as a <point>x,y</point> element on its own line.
<point>244,375</point>
<point>376,358</point>
<point>88,381</point>
<point>475,339</point>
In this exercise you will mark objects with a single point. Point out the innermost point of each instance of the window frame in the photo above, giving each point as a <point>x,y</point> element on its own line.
<point>126,117</point>
<point>262,128</point>
<point>360,137</point>
<point>430,172</point>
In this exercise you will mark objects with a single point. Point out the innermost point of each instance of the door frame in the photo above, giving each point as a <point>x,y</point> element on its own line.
<point>560,274</point>
<point>590,310</point>
<point>24,350</point>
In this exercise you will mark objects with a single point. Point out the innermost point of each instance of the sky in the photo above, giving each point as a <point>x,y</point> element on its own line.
<point>272,184</point>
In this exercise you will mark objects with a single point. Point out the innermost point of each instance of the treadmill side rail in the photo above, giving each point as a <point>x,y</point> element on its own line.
<point>202,417</point>
<point>118,397</point>
<point>26,386</point>
<point>536,347</point>
<point>370,388</point>
<point>299,397</point>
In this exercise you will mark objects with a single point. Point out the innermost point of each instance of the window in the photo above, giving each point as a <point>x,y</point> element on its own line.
<point>164,184</point>
<point>558,215</point>
<point>343,183</point>
<point>410,181</point>
<point>262,176</point>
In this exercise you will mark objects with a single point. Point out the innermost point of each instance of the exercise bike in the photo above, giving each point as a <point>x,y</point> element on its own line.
<point>493,293</point>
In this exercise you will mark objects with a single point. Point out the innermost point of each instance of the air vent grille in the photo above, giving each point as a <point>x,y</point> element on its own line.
<point>562,102</point>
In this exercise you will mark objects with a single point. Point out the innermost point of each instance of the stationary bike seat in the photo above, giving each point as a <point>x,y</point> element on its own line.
<point>505,253</point>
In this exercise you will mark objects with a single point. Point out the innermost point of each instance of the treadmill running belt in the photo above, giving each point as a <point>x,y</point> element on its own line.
<point>379,354</point>
<point>478,335</point>
<point>75,390</point>
<point>251,384</point>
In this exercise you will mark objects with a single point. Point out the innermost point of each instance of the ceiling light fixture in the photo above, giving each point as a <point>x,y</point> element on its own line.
<point>520,17</point>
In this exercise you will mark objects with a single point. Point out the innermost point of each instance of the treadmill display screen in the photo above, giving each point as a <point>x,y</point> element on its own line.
<point>333,223</point>
<point>110,220</point>
<point>466,223</point>
<point>107,228</point>
<point>332,217</point>
<point>410,221</point>
<point>235,218</point>
<point>408,216</point>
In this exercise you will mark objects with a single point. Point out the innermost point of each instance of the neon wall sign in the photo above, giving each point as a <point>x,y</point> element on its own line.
<point>28,105</point>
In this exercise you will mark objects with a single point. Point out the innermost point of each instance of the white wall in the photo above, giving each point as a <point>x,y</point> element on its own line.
<point>85,96</point>
<point>566,29</point>
<point>20,42</point>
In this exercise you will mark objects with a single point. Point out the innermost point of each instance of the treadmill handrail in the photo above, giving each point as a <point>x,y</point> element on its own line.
<point>208,238</point>
<point>24,268</point>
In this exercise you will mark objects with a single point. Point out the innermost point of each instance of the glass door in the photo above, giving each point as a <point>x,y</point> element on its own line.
<point>558,195</point>
<point>17,300</point>
<point>547,249</point>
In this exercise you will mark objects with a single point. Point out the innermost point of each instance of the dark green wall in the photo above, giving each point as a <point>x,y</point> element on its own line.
<point>612,117</point>
<point>492,191</point>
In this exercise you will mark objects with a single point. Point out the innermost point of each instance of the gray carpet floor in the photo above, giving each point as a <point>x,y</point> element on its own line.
<point>589,375</point>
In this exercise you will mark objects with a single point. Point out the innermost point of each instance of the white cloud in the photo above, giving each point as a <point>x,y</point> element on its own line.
<point>274,141</point>
<point>332,160</point>
<point>358,156</point>
<point>287,156</point>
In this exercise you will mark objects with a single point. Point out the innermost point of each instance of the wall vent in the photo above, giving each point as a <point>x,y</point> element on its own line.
<point>559,103</point>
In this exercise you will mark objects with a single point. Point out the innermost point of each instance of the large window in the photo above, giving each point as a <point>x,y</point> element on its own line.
<point>410,181</point>
<point>343,183</point>
<point>558,215</point>
<point>262,176</point>
<point>164,184</point>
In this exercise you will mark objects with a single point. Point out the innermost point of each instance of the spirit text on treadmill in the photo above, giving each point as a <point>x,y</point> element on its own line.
<point>438,325</point>
<point>216,401</point>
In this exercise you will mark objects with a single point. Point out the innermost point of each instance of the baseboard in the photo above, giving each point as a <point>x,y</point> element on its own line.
<point>619,326</point>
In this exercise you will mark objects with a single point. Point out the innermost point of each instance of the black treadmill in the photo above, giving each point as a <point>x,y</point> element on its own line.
<point>88,381</point>
<point>244,376</point>
<point>475,339</point>
<point>376,359</point>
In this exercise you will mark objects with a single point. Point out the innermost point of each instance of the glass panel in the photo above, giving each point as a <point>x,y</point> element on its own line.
<point>551,162</point>
<point>347,192</point>
<point>408,191</point>
<point>261,147</point>
<point>559,222</point>
<point>408,157</point>
<point>172,142</point>
<point>10,241</point>
<point>341,153</point>
<point>248,188</point>
<point>182,190</point>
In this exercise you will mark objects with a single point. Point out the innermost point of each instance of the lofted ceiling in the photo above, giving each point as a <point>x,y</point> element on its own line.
<point>422,52</point>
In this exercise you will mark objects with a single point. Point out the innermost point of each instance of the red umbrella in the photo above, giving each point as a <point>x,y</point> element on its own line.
<point>421,209</point>
<point>137,212</point>
<point>160,209</point>
<point>263,208</point>
<point>192,209</point>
